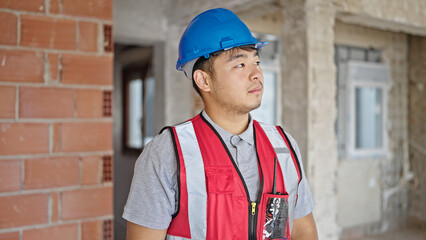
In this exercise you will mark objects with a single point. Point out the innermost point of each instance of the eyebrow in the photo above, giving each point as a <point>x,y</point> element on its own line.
<point>233,57</point>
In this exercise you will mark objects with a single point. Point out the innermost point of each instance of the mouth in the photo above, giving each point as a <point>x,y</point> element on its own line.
<point>257,89</point>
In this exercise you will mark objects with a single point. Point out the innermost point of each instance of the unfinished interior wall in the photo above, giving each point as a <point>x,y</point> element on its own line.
<point>390,169</point>
<point>321,108</point>
<point>322,159</point>
<point>178,89</point>
<point>309,104</point>
<point>396,15</point>
<point>138,24</point>
<point>295,74</point>
<point>417,129</point>
<point>56,120</point>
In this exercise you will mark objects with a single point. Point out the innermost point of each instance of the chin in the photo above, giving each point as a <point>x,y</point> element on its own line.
<point>256,106</point>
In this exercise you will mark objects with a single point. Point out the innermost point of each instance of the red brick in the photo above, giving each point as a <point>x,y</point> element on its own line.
<point>25,5</point>
<point>91,230</point>
<point>89,103</point>
<point>51,172</point>
<point>54,197</point>
<point>53,61</point>
<point>46,102</point>
<point>22,210</point>
<point>24,138</point>
<point>88,36</point>
<point>8,28</point>
<point>9,236</point>
<point>90,170</point>
<point>80,137</point>
<point>63,232</point>
<point>88,8</point>
<point>54,6</point>
<point>48,32</point>
<point>10,175</point>
<point>85,203</point>
<point>21,66</point>
<point>56,146</point>
<point>80,69</point>
<point>7,102</point>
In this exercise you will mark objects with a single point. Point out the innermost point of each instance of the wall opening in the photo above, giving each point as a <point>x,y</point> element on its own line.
<point>137,112</point>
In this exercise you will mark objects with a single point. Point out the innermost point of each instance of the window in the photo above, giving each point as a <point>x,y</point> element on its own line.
<point>139,99</point>
<point>368,118</point>
<point>363,86</point>
<point>269,111</point>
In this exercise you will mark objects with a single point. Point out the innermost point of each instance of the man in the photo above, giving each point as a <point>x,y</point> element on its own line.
<point>221,175</point>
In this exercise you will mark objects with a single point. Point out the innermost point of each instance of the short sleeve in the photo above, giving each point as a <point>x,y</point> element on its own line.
<point>151,201</point>
<point>305,200</point>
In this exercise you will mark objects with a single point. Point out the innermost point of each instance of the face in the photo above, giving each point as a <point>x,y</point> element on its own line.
<point>237,84</point>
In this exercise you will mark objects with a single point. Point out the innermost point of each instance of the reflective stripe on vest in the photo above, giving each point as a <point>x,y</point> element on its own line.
<point>194,202</point>
<point>288,162</point>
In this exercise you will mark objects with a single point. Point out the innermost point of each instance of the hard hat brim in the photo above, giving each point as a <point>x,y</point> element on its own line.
<point>180,64</point>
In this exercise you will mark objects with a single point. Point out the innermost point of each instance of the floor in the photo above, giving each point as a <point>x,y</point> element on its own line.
<point>409,233</point>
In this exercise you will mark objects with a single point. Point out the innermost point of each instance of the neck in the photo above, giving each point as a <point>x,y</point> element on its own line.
<point>233,123</point>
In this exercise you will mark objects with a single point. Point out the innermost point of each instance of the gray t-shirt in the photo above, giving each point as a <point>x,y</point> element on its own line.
<point>152,198</point>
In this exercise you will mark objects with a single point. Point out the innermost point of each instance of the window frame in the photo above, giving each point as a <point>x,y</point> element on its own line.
<point>127,76</point>
<point>352,152</point>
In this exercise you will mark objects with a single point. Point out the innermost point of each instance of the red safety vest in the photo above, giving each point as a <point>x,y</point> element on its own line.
<point>213,200</point>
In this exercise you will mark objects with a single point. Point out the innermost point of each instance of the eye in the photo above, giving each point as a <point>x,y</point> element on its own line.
<point>257,63</point>
<point>240,65</point>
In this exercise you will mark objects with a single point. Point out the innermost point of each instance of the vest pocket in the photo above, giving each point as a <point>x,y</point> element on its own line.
<point>220,180</point>
<point>220,210</point>
<point>275,216</point>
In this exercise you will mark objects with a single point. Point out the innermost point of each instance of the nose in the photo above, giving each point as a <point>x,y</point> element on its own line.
<point>256,73</point>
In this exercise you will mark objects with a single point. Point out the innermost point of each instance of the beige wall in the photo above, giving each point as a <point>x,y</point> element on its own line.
<point>393,196</point>
<point>417,128</point>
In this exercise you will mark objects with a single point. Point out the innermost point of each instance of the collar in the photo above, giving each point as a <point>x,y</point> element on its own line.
<point>246,136</point>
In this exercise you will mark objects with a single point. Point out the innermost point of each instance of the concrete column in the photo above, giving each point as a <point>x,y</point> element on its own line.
<point>322,112</point>
<point>295,76</point>
<point>309,105</point>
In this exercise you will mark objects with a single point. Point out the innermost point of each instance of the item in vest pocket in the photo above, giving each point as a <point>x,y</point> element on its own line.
<point>276,223</point>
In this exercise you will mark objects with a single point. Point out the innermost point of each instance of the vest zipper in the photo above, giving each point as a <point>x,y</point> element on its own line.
<point>252,205</point>
<point>252,221</point>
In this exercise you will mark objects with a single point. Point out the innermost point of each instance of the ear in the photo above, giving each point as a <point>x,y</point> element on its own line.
<point>202,79</point>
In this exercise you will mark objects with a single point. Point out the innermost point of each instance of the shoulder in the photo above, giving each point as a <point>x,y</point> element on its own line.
<point>163,139</point>
<point>159,152</point>
<point>278,129</point>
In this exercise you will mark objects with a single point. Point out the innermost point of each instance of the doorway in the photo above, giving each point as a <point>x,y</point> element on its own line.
<point>138,114</point>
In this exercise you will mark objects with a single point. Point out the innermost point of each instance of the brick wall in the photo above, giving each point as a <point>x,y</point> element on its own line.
<point>55,119</point>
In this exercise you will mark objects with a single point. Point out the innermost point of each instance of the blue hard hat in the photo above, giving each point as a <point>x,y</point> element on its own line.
<point>211,31</point>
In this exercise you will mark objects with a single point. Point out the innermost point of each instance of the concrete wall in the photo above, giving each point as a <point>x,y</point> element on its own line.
<point>394,196</point>
<point>396,15</point>
<point>140,21</point>
<point>148,22</point>
<point>322,154</point>
<point>321,108</point>
<point>417,128</point>
<point>309,30</point>
<point>145,23</point>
